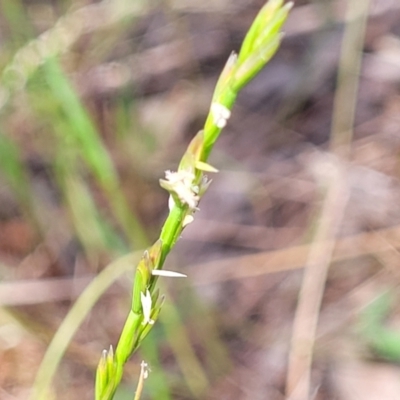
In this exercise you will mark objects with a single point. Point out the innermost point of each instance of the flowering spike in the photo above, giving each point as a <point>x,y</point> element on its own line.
<point>186,187</point>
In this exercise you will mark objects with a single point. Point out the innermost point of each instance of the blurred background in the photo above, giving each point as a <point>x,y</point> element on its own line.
<point>99,98</point>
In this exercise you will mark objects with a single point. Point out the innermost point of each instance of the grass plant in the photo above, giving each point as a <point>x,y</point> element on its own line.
<point>186,186</point>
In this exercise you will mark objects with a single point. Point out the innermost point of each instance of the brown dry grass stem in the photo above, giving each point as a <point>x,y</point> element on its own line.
<point>310,297</point>
<point>369,243</point>
<point>380,244</point>
<point>298,383</point>
<point>345,99</point>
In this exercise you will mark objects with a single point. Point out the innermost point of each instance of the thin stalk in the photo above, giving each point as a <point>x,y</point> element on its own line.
<point>186,186</point>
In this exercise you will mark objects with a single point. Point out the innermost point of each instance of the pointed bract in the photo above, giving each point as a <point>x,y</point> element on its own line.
<point>170,274</point>
<point>203,166</point>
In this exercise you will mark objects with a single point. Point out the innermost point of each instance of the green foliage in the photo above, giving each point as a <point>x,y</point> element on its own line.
<point>82,132</point>
<point>11,166</point>
<point>385,342</point>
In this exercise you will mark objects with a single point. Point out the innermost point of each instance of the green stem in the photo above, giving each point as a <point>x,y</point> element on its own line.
<point>171,230</point>
<point>187,183</point>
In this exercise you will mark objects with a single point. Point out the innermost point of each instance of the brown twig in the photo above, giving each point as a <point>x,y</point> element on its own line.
<point>378,243</point>
<point>310,297</point>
